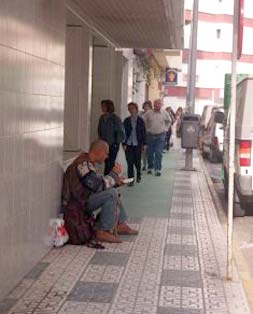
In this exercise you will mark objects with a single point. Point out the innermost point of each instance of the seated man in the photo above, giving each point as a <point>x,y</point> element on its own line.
<point>92,191</point>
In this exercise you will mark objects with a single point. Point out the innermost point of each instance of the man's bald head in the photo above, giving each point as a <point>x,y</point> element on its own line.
<point>98,145</point>
<point>99,151</point>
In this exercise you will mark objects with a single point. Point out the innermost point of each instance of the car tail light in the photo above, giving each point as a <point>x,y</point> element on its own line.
<point>245,153</point>
<point>215,141</point>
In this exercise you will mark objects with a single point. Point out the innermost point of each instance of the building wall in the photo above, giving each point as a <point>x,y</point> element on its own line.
<point>220,7</point>
<point>78,88</point>
<point>139,84</point>
<point>214,50</point>
<point>32,57</point>
<point>153,90</point>
<point>106,82</point>
<point>212,43</point>
<point>100,84</point>
<point>126,97</point>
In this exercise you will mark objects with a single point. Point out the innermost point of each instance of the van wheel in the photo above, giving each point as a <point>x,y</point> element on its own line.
<point>226,190</point>
<point>238,211</point>
<point>225,182</point>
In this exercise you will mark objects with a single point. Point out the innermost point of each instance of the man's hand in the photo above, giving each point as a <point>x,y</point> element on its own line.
<point>117,168</point>
<point>124,147</point>
<point>122,178</point>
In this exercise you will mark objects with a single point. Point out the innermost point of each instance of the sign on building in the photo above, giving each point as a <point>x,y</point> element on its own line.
<point>171,77</point>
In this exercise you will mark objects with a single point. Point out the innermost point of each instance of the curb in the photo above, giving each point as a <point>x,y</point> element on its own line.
<point>240,261</point>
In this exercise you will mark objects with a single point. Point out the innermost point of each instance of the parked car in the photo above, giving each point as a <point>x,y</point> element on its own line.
<point>204,120</point>
<point>213,136</point>
<point>243,177</point>
<point>203,123</point>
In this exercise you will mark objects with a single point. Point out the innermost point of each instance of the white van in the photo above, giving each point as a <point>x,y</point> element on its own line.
<point>213,136</point>
<point>243,200</point>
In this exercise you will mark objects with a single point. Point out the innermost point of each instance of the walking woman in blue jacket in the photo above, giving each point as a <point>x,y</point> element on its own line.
<point>134,141</point>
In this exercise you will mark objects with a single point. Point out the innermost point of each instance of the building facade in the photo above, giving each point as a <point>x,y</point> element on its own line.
<point>214,51</point>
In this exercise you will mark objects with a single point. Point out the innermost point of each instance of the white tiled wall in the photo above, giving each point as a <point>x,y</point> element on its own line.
<point>32,53</point>
<point>78,85</point>
<point>106,82</point>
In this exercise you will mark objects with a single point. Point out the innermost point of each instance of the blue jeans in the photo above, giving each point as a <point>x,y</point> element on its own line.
<point>155,151</point>
<point>111,208</point>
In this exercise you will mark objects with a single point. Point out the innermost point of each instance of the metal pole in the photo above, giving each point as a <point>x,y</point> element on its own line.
<point>193,57</point>
<point>232,144</point>
<point>190,99</point>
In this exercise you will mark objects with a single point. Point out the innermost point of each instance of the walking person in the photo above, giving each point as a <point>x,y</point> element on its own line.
<point>169,132</point>
<point>147,105</point>
<point>134,142</point>
<point>179,114</point>
<point>111,130</point>
<point>157,122</point>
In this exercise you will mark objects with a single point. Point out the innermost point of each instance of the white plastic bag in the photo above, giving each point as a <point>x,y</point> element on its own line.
<point>58,232</point>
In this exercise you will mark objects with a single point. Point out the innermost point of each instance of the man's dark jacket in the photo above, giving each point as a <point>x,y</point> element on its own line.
<point>140,130</point>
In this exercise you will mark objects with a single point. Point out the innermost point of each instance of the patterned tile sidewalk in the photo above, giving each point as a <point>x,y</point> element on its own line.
<point>175,265</point>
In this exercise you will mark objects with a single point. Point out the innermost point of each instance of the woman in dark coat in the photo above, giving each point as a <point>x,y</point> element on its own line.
<point>111,130</point>
<point>134,141</point>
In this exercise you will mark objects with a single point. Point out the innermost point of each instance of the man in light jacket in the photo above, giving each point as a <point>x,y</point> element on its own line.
<point>157,123</point>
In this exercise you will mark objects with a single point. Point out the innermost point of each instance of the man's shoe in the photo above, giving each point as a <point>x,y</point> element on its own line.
<point>143,168</point>
<point>107,236</point>
<point>138,180</point>
<point>123,228</point>
<point>131,184</point>
<point>149,171</point>
<point>158,174</point>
